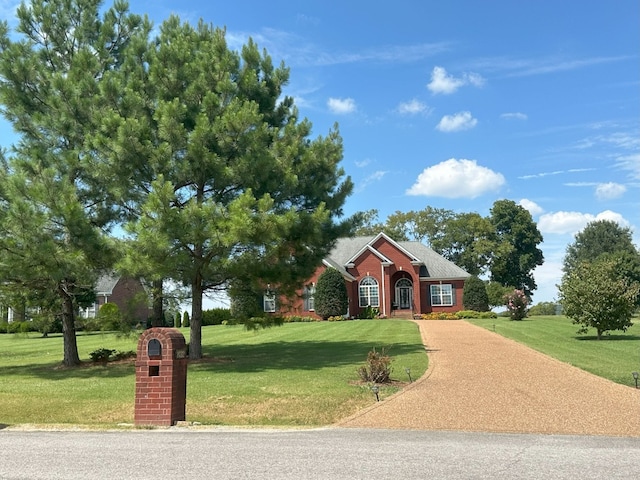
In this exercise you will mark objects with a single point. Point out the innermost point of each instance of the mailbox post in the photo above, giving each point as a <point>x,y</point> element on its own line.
<point>161,377</point>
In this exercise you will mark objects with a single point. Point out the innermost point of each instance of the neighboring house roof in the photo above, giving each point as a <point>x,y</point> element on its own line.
<point>106,284</point>
<point>436,267</point>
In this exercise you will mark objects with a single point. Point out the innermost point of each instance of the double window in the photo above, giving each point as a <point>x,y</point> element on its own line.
<point>442,295</point>
<point>369,293</point>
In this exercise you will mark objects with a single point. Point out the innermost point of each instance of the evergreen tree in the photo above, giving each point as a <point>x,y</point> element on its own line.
<point>53,207</point>
<point>331,298</point>
<point>474,296</point>
<point>233,187</point>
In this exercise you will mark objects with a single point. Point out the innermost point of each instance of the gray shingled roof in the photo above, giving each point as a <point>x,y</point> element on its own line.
<point>437,267</point>
<point>106,284</point>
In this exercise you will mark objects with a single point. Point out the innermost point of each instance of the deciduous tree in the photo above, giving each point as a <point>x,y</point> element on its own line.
<point>595,295</point>
<point>516,253</point>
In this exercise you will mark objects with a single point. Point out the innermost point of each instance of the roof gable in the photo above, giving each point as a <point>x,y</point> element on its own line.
<point>348,250</point>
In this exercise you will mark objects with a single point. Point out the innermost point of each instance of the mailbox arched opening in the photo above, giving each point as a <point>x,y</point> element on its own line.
<point>154,348</point>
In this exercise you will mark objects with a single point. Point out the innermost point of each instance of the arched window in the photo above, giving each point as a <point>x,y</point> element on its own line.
<point>368,292</point>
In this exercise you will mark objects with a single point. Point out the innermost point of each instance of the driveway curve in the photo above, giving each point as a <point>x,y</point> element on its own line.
<point>478,380</point>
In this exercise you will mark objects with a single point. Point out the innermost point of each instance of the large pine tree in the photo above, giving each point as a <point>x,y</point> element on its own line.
<point>53,207</point>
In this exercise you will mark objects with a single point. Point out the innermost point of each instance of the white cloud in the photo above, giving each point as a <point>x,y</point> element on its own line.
<point>374,177</point>
<point>573,222</point>
<point>533,208</point>
<point>630,163</point>
<point>443,83</point>
<point>413,107</point>
<point>362,163</point>
<point>457,122</point>
<point>456,179</point>
<point>514,116</point>
<point>341,106</point>
<point>609,191</point>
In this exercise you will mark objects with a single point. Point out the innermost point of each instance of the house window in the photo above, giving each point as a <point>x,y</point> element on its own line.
<point>309,298</point>
<point>369,295</point>
<point>269,301</point>
<point>442,295</point>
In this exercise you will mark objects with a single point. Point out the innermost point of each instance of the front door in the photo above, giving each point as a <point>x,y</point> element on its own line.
<point>404,293</point>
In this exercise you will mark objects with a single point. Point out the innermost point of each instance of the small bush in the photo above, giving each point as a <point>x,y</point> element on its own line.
<point>101,355</point>
<point>257,323</point>
<point>299,319</point>
<point>369,312</point>
<point>124,355</point>
<point>439,316</point>
<point>475,314</point>
<point>377,368</point>
<point>3,326</point>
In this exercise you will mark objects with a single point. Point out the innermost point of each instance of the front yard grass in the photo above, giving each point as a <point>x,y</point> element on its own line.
<point>300,374</point>
<point>614,357</point>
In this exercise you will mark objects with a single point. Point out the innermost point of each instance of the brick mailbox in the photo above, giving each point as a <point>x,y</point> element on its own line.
<point>161,377</point>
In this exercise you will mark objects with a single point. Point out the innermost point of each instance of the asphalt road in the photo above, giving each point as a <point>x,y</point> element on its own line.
<point>333,453</point>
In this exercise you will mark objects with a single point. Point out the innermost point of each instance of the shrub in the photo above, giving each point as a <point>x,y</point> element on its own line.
<point>369,312</point>
<point>377,368</point>
<point>177,320</point>
<point>439,316</point>
<point>3,326</point>
<point>216,316</point>
<point>185,319</point>
<point>474,314</point>
<point>474,296</point>
<point>257,323</point>
<point>101,355</point>
<point>516,303</point>
<point>298,319</point>
<point>331,297</point>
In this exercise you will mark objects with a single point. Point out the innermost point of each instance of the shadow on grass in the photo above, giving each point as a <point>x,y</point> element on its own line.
<point>305,355</point>
<point>615,338</point>
<point>55,371</point>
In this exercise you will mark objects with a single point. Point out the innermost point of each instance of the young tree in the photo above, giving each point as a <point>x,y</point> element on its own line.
<point>474,295</point>
<point>331,297</point>
<point>594,295</point>
<point>53,205</point>
<point>516,251</point>
<point>235,187</point>
<point>605,239</point>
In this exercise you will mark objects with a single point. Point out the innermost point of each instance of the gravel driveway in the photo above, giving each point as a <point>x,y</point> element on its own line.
<point>480,381</point>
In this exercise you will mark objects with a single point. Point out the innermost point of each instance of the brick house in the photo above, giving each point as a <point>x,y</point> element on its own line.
<point>127,293</point>
<point>398,278</point>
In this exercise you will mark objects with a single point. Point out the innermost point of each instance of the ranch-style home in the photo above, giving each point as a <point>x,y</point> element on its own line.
<point>398,278</point>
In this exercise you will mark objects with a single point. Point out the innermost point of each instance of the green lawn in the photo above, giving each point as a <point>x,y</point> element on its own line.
<point>300,374</point>
<point>614,357</point>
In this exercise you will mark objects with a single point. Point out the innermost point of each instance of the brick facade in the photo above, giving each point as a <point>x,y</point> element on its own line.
<point>404,272</point>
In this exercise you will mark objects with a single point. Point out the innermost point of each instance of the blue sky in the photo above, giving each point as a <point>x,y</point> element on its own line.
<point>457,104</point>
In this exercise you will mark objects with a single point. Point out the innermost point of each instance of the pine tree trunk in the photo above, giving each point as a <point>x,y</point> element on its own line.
<point>71,357</point>
<point>195,342</point>
<point>157,318</point>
